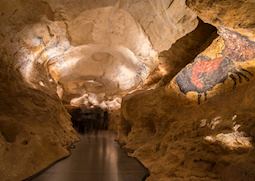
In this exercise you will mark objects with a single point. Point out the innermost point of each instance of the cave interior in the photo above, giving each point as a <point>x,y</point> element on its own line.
<point>169,82</point>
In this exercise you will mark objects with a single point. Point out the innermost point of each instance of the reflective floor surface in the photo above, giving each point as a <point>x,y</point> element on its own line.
<point>97,157</point>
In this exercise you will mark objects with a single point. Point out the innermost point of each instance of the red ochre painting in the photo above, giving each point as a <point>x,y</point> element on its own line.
<point>205,73</point>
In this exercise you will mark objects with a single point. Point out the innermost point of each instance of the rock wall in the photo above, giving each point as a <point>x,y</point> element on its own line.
<point>179,140</point>
<point>197,127</point>
<point>201,125</point>
<point>234,15</point>
<point>182,52</point>
<point>35,129</point>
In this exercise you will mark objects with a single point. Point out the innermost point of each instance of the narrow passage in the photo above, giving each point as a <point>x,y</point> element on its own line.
<point>97,157</point>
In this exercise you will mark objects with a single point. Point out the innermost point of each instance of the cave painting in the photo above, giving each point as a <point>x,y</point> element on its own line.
<point>205,73</point>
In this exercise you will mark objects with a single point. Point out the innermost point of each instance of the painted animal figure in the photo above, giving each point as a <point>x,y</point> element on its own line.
<point>205,73</point>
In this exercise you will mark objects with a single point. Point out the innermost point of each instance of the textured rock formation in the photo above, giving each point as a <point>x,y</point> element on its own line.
<point>236,16</point>
<point>225,58</point>
<point>179,140</point>
<point>197,124</point>
<point>35,129</point>
<point>200,126</point>
<point>182,52</point>
<point>119,48</point>
<point>83,52</point>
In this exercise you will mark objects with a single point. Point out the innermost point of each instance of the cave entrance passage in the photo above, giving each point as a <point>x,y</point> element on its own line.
<point>86,120</point>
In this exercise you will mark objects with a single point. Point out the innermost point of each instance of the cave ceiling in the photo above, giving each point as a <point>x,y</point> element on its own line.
<point>94,51</point>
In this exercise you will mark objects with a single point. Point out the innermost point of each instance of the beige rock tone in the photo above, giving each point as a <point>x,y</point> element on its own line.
<point>94,51</point>
<point>179,139</point>
<point>182,52</point>
<point>75,53</point>
<point>126,56</point>
<point>236,16</point>
<point>35,129</point>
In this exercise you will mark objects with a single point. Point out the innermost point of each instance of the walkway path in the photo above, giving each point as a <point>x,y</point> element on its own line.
<point>96,158</point>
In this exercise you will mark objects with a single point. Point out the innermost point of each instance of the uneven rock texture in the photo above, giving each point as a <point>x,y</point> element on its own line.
<point>200,126</point>
<point>164,21</point>
<point>179,140</point>
<point>196,125</point>
<point>94,49</point>
<point>35,129</point>
<point>182,52</point>
<point>234,15</point>
<point>83,52</point>
<point>226,57</point>
<point>34,126</point>
<point>205,133</point>
<point>120,46</point>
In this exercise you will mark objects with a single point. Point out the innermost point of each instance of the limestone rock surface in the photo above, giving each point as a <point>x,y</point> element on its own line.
<point>83,52</point>
<point>35,129</point>
<point>177,139</point>
<point>199,126</point>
